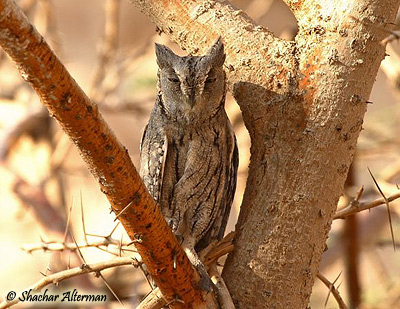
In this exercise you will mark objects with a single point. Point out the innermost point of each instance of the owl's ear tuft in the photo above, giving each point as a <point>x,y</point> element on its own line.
<point>164,56</point>
<point>216,53</point>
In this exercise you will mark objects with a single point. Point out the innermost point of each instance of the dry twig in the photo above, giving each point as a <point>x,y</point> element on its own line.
<point>108,49</point>
<point>356,207</point>
<point>153,300</point>
<point>73,272</point>
<point>332,290</point>
<point>64,246</point>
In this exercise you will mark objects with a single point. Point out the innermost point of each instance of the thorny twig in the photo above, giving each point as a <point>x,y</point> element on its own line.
<point>387,207</point>
<point>355,207</point>
<point>107,241</point>
<point>333,290</point>
<point>98,273</point>
<point>64,246</point>
<point>73,272</point>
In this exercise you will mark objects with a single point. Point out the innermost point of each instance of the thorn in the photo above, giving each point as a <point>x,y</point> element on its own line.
<point>120,245</point>
<point>338,276</point>
<point>387,207</point>
<point>359,193</point>
<point>332,286</point>
<point>96,235</point>
<point>42,239</point>
<point>123,210</point>
<point>112,231</point>
<point>131,243</point>
<point>332,290</point>
<point>83,219</point>
<point>79,250</point>
<point>68,221</point>
<point>110,289</point>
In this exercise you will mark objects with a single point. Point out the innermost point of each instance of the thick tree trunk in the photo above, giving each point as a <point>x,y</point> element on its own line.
<point>303,103</point>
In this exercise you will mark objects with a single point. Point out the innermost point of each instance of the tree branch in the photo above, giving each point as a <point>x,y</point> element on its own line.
<point>64,246</point>
<point>106,158</point>
<point>69,273</point>
<point>334,291</point>
<point>209,256</point>
<point>195,25</point>
<point>355,207</point>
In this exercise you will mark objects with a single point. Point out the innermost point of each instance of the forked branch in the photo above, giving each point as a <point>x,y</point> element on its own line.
<point>333,290</point>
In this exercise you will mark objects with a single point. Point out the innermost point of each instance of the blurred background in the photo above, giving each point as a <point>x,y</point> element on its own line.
<point>108,47</point>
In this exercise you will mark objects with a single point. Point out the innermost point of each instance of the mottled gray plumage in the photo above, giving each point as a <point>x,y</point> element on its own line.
<point>189,156</point>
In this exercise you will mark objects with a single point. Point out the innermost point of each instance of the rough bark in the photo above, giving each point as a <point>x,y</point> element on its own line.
<point>106,158</point>
<point>303,103</point>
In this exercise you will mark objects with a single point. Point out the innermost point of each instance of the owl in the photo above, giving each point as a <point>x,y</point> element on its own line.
<point>189,156</point>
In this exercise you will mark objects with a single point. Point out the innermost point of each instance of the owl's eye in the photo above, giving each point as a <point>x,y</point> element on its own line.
<point>173,79</point>
<point>210,80</point>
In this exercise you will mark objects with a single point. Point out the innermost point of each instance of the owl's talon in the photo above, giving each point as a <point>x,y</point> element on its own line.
<point>205,282</point>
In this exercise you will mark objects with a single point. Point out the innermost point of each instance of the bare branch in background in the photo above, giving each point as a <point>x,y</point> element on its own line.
<point>70,273</point>
<point>44,212</point>
<point>108,49</point>
<point>35,124</point>
<point>111,246</point>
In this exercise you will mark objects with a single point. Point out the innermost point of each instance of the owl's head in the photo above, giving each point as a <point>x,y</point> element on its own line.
<point>191,87</point>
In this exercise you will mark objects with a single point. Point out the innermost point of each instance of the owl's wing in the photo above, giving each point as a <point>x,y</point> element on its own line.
<point>153,151</point>
<point>231,189</point>
<point>217,230</point>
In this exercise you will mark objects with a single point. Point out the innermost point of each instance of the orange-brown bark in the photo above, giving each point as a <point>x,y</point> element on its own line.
<point>106,158</point>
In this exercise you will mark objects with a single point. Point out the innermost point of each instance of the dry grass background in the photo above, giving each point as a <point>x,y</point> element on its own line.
<point>75,30</point>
